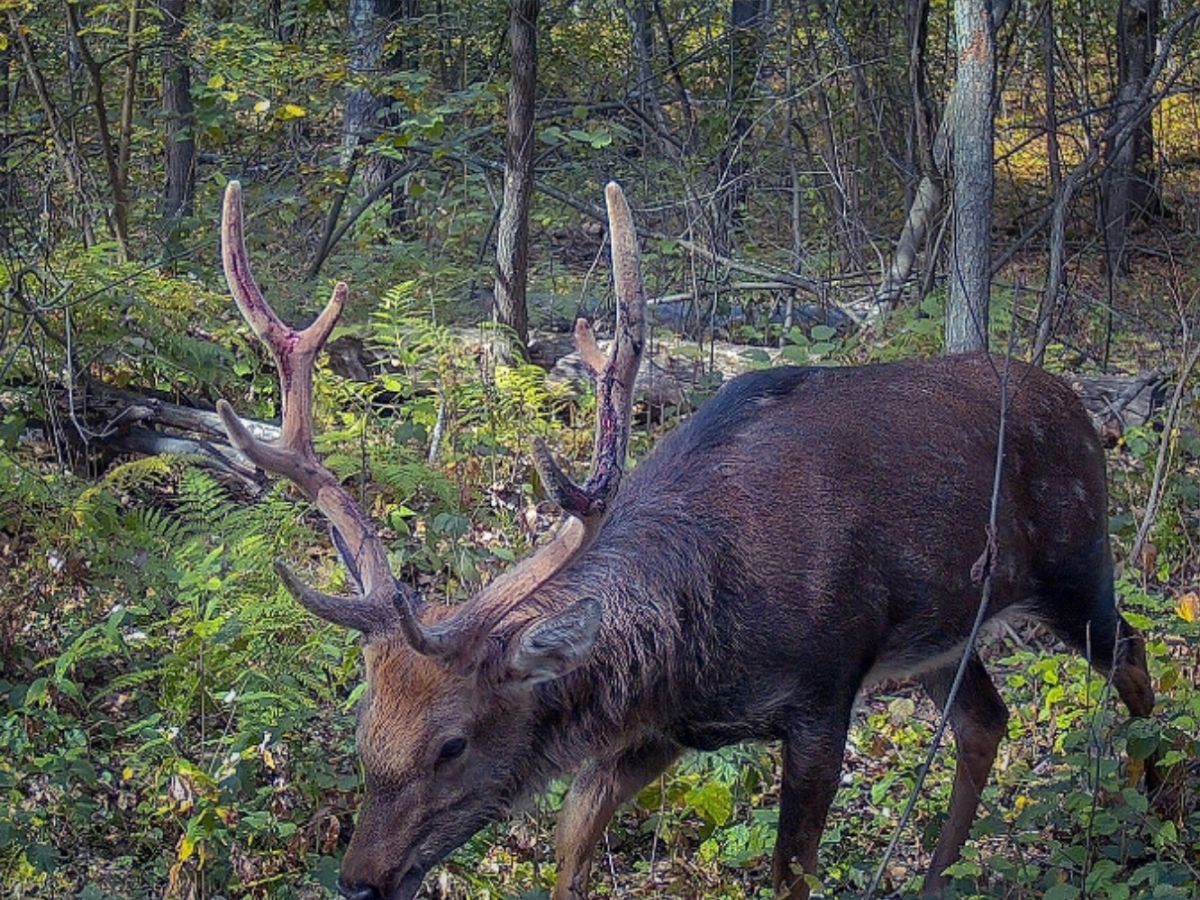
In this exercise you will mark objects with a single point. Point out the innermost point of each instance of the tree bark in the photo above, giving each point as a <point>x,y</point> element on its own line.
<point>930,152</point>
<point>927,199</point>
<point>370,23</point>
<point>746,21</point>
<point>972,158</point>
<point>512,233</point>
<point>1054,275</point>
<point>180,130</point>
<point>8,180</point>
<point>1128,191</point>
<point>647,92</point>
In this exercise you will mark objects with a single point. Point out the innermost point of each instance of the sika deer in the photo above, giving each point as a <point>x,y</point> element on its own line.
<point>807,532</point>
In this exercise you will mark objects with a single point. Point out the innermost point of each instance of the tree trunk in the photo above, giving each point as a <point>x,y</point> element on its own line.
<point>927,199</point>
<point>972,160</point>
<point>179,115</point>
<point>8,179</point>
<point>685,105</point>
<point>370,22</point>
<point>512,233</point>
<point>1054,276</point>
<point>1128,191</point>
<point>65,148</point>
<point>746,21</point>
<point>119,217</point>
<point>930,151</point>
<point>647,91</point>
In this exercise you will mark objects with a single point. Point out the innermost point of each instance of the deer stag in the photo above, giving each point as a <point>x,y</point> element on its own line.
<point>807,532</point>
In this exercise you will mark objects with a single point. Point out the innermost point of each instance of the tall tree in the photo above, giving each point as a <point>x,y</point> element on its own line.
<point>512,233</point>
<point>1128,184</point>
<point>933,154</point>
<point>115,151</point>
<point>178,115</point>
<point>747,21</point>
<point>973,132</point>
<point>372,26</point>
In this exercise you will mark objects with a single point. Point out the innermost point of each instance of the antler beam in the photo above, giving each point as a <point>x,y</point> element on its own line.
<point>383,601</point>
<point>613,375</point>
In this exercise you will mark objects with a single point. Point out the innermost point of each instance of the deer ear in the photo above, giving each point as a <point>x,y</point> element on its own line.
<point>550,648</point>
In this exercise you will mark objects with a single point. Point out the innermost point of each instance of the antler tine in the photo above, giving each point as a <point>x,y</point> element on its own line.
<point>383,600</point>
<point>614,376</point>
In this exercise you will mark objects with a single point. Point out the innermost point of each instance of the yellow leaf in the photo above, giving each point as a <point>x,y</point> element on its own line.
<point>186,847</point>
<point>3,41</point>
<point>216,82</point>
<point>291,111</point>
<point>126,773</point>
<point>1188,607</point>
<point>268,759</point>
<point>262,106</point>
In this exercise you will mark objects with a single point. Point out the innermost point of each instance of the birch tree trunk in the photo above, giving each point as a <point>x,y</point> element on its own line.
<point>927,199</point>
<point>972,158</point>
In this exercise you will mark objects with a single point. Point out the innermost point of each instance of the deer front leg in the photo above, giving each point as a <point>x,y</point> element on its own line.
<point>812,765</point>
<point>598,789</point>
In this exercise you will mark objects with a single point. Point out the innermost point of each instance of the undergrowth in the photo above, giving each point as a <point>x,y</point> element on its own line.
<point>173,722</point>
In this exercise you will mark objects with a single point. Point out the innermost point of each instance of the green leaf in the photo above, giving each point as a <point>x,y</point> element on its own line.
<point>933,306</point>
<point>1143,739</point>
<point>823,332</point>
<point>712,800</point>
<point>42,857</point>
<point>794,354</point>
<point>1061,892</point>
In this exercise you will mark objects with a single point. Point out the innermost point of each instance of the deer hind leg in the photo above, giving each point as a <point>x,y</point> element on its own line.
<point>1116,649</point>
<point>812,765</point>
<point>979,719</point>
<point>598,789</point>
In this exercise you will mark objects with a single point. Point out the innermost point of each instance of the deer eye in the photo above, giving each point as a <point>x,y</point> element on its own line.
<point>451,750</point>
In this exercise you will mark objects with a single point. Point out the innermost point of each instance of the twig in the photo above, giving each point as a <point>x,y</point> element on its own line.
<point>1160,465</point>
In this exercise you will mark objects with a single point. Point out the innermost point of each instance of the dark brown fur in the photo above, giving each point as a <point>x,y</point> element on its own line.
<point>807,532</point>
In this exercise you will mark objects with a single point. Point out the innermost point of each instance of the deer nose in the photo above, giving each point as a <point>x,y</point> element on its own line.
<point>358,891</point>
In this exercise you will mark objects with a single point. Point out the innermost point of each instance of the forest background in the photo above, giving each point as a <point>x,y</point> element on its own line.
<point>817,182</point>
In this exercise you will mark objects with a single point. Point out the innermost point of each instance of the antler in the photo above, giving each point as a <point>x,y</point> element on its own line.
<point>382,601</point>
<point>613,375</point>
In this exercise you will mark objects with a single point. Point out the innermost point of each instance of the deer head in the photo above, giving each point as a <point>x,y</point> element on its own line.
<point>447,724</point>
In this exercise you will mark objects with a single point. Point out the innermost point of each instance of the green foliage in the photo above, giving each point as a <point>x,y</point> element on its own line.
<point>174,694</point>
<point>172,723</point>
